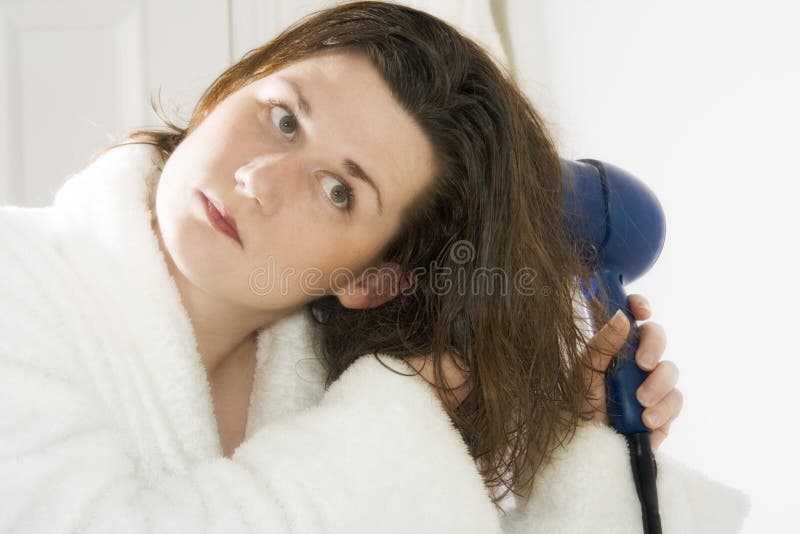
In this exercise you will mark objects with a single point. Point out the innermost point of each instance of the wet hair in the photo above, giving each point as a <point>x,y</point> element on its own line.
<point>495,279</point>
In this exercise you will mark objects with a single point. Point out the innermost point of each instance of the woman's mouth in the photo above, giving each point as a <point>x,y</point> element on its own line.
<point>220,219</point>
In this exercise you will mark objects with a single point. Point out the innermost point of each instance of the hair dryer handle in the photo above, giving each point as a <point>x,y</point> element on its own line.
<point>623,376</point>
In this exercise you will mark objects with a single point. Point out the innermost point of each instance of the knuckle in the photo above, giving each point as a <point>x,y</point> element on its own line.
<point>655,333</point>
<point>639,300</point>
<point>613,335</point>
<point>670,368</point>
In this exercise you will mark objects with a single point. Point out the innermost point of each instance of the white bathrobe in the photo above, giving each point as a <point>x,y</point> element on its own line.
<point>107,423</point>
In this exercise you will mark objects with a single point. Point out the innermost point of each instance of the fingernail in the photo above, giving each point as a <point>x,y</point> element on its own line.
<point>652,419</point>
<point>643,397</point>
<point>618,319</point>
<point>648,361</point>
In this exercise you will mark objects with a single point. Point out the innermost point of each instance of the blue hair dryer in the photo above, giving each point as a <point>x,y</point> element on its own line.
<point>618,225</point>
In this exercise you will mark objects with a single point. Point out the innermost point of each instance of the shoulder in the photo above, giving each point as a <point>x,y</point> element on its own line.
<point>28,244</point>
<point>591,473</point>
<point>35,308</point>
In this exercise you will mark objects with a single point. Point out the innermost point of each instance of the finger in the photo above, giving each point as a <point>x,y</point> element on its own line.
<point>660,382</point>
<point>608,341</point>
<point>640,307</point>
<point>652,343</point>
<point>665,411</point>
<point>658,436</point>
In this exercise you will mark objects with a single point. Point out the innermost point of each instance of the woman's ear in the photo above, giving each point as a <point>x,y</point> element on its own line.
<point>376,285</point>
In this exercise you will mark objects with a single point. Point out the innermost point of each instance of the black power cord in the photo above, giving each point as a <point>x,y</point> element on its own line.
<point>643,466</point>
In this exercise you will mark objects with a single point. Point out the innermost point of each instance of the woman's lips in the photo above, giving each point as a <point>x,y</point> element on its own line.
<point>221,220</point>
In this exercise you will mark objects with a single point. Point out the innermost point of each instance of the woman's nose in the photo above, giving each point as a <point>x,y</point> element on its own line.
<point>268,180</point>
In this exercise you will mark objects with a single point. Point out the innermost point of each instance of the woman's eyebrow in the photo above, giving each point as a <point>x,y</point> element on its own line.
<point>302,103</point>
<point>354,169</point>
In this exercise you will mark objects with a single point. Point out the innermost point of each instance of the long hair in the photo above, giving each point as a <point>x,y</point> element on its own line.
<point>496,280</point>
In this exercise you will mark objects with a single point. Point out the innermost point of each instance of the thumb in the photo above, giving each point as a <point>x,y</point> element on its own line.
<point>608,341</point>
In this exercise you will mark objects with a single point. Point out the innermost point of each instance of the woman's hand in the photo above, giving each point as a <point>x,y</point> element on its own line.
<point>659,396</point>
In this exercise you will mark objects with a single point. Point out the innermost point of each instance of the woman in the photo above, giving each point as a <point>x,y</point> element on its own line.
<point>195,337</point>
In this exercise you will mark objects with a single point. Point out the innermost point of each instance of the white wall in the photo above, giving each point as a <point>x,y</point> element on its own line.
<point>700,100</point>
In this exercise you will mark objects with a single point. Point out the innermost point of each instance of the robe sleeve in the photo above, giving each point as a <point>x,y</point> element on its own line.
<point>588,487</point>
<point>378,454</point>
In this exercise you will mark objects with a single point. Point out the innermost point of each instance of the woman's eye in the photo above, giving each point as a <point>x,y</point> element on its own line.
<point>284,121</point>
<point>339,193</point>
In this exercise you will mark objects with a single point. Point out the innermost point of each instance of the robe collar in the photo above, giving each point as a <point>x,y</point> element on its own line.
<point>106,211</point>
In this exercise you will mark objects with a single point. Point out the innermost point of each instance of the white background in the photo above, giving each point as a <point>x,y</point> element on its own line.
<point>697,98</point>
<point>700,100</point>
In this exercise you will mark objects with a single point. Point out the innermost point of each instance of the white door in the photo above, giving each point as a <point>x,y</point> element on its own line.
<point>74,74</point>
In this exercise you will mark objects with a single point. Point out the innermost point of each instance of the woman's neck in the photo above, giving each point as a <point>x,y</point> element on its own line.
<point>221,327</point>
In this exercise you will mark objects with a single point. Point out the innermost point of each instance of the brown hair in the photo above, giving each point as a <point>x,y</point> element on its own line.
<point>494,209</point>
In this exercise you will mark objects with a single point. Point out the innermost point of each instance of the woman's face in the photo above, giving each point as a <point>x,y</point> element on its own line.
<point>286,170</point>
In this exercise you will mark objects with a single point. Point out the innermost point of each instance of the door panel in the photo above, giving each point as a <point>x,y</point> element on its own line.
<point>76,74</point>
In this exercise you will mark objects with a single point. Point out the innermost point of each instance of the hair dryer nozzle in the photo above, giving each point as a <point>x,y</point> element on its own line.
<point>610,212</point>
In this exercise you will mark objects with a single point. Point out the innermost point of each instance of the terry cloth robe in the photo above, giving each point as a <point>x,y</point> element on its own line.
<point>107,422</point>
